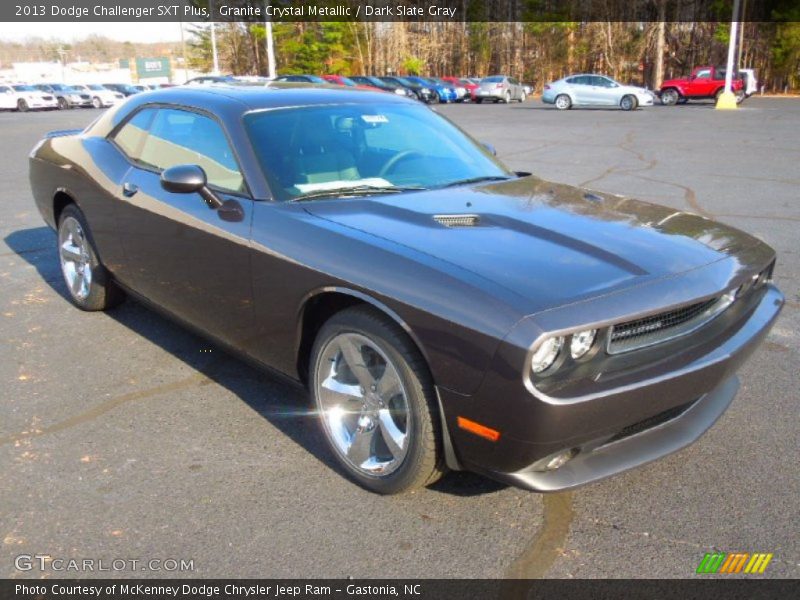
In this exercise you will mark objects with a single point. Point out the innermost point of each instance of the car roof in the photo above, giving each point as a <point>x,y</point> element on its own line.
<point>244,98</point>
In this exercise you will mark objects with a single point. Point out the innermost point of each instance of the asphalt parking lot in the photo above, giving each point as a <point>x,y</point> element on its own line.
<point>124,436</point>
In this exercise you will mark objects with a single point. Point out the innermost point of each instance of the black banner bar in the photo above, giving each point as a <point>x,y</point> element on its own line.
<point>394,10</point>
<point>733,588</point>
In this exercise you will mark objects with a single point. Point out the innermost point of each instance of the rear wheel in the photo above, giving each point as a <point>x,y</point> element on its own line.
<point>63,104</point>
<point>22,105</point>
<point>522,98</point>
<point>507,97</point>
<point>97,103</point>
<point>628,102</point>
<point>740,96</point>
<point>670,97</point>
<point>89,284</point>
<point>376,402</point>
<point>563,102</point>
<point>479,100</point>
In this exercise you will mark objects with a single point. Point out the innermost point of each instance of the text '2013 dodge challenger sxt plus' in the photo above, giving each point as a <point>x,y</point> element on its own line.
<point>444,312</point>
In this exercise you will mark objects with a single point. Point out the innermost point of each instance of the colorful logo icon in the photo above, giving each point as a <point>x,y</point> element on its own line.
<point>734,562</point>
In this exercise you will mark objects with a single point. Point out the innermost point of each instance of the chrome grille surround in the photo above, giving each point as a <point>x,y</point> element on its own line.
<point>665,326</point>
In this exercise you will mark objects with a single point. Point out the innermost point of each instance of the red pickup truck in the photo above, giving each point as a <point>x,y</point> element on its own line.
<point>704,82</point>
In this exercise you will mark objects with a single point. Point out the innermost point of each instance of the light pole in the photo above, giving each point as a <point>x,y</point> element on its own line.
<point>270,49</point>
<point>214,40</point>
<point>727,100</point>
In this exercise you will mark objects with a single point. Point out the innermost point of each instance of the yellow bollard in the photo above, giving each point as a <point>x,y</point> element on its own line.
<point>727,101</point>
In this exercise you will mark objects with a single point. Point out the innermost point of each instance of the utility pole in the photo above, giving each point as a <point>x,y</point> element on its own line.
<point>270,48</point>
<point>727,100</point>
<point>183,54</point>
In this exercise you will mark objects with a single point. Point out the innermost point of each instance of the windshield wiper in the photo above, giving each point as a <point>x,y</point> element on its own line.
<point>360,190</point>
<point>475,180</point>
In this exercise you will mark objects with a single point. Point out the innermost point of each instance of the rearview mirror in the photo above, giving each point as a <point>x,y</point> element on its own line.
<point>189,179</point>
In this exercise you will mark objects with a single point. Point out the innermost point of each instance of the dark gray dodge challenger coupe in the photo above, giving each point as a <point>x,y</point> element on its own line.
<point>443,311</point>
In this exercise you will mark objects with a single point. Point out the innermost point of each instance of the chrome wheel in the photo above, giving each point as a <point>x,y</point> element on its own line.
<point>563,102</point>
<point>363,404</point>
<point>76,258</point>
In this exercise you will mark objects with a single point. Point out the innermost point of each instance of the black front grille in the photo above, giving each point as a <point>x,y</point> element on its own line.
<point>651,422</point>
<point>660,327</point>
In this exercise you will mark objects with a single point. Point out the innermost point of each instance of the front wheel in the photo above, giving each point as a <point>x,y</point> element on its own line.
<point>740,96</point>
<point>479,100</point>
<point>89,284</point>
<point>522,98</point>
<point>97,103</point>
<point>63,104</point>
<point>22,105</point>
<point>628,102</point>
<point>376,402</point>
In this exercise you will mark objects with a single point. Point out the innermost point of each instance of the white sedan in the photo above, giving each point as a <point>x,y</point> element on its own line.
<point>595,90</point>
<point>29,98</point>
<point>101,96</point>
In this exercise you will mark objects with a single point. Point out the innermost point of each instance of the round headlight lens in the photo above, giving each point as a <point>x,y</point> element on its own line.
<point>582,343</point>
<point>546,354</point>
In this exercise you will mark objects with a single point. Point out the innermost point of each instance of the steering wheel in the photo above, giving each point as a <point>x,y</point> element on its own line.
<point>392,162</point>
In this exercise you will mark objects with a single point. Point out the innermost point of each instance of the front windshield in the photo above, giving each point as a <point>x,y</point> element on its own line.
<point>330,149</point>
<point>347,81</point>
<point>405,81</point>
<point>25,88</point>
<point>96,86</point>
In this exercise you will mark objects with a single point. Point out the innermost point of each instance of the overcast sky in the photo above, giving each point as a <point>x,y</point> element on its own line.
<point>138,32</point>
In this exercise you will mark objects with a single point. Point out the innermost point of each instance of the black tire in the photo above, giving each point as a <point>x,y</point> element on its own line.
<point>479,100</point>
<point>670,97</point>
<point>628,102</point>
<point>103,293</point>
<point>522,97</point>
<point>423,462</point>
<point>97,103</point>
<point>22,105</point>
<point>63,104</point>
<point>740,96</point>
<point>433,98</point>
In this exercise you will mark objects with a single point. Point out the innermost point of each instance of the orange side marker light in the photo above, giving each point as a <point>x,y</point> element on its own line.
<point>485,432</point>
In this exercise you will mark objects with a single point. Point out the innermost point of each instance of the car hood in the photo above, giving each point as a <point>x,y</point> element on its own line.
<point>547,243</point>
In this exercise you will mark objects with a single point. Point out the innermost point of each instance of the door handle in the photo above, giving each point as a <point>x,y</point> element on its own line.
<point>129,189</point>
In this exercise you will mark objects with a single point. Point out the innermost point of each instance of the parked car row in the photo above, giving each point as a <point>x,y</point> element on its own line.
<point>431,90</point>
<point>23,97</point>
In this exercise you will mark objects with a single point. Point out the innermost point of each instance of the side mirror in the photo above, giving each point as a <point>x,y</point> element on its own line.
<point>490,148</point>
<point>189,179</point>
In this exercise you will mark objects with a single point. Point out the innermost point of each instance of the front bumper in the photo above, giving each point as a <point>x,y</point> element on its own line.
<point>631,418</point>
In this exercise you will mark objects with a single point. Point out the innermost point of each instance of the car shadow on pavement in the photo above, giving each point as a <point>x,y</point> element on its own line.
<point>276,398</point>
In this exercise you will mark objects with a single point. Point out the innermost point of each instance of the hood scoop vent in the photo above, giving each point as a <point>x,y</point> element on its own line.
<point>457,220</point>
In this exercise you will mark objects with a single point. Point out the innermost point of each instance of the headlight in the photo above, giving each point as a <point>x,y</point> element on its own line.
<point>581,343</point>
<point>426,91</point>
<point>546,354</point>
<point>399,91</point>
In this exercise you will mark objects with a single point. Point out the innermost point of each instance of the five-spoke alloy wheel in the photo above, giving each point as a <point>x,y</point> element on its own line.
<point>89,284</point>
<point>375,401</point>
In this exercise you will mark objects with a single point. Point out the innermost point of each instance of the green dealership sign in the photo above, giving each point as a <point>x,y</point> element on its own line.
<point>152,67</point>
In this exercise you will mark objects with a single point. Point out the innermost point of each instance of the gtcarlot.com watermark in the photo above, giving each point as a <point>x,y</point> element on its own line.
<point>49,563</point>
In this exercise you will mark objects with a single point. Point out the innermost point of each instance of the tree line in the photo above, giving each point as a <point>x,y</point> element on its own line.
<point>536,52</point>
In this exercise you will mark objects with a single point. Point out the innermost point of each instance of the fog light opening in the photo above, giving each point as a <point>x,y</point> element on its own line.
<point>560,459</point>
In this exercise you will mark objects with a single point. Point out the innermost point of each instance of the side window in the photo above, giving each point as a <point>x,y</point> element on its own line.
<point>131,137</point>
<point>513,81</point>
<point>5,90</point>
<point>179,137</point>
<point>704,74</point>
